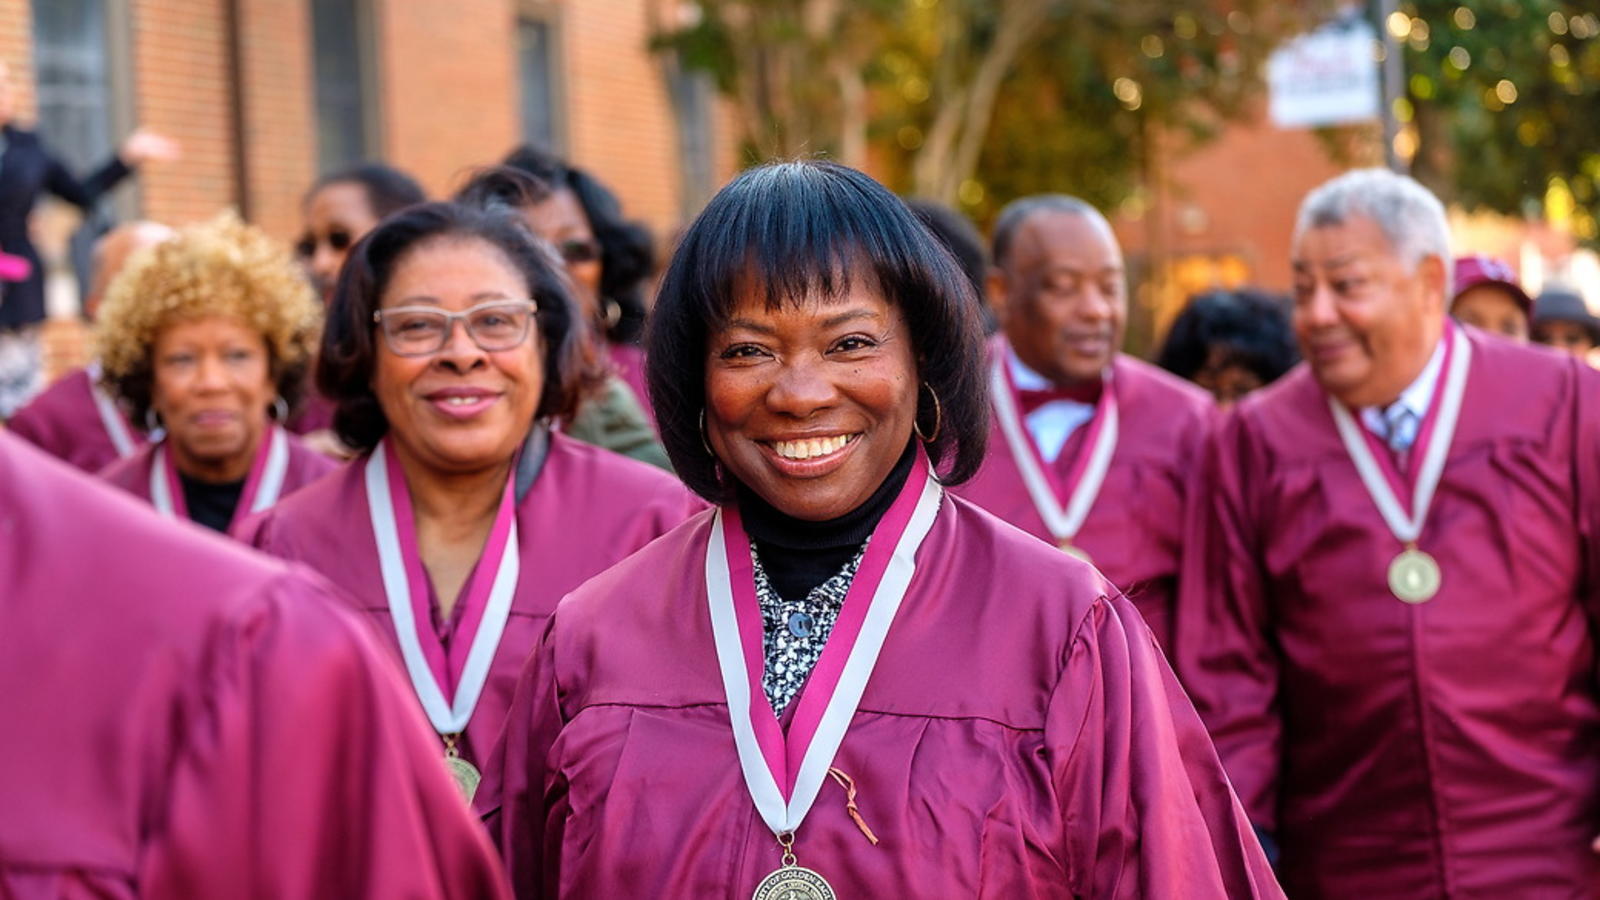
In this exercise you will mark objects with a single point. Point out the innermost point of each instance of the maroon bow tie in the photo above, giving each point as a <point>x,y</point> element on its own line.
<point>1031,400</point>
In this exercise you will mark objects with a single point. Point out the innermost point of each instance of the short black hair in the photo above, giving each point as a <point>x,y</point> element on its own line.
<point>350,338</point>
<point>388,189</point>
<point>503,188</point>
<point>627,250</point>
<point>1019,211</point>
<point>1251,326</point>
<point>961,238</point>
<point>801,230</point>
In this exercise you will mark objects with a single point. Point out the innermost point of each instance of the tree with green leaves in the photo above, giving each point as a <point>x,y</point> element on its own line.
<point>980,101</point>
<point>1503,102</point>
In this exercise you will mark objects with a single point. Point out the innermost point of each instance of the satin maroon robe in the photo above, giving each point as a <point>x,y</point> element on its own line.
<point>1134,532</point>
<point>587,509</point>
<point>305,466</point>
<point>64,422</point>
<point>186,719</point>
<point>1448,749</point>
<point>1021,736</point>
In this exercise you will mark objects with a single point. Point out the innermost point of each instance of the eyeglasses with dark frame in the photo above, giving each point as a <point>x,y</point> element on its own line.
<point>424,330</point>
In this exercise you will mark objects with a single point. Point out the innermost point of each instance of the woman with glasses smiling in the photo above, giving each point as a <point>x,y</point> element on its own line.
<point>451,349</point>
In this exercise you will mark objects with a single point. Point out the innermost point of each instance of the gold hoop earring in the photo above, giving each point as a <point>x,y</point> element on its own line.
<point>938,418</point>
<point>705,440</point>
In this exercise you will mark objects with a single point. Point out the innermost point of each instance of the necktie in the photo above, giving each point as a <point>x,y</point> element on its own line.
<point>1402,425</point>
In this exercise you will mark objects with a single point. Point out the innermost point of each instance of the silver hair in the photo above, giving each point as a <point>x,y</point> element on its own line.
<point>1407,213</point>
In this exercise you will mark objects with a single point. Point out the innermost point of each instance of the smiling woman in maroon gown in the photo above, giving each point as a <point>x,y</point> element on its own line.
<point>843,675</point>
<point>207,337</point>
<point>450,352</point>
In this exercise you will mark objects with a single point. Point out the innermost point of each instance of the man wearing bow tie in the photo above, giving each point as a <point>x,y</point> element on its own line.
<point>1091,450</point>
<point>1389,626</point>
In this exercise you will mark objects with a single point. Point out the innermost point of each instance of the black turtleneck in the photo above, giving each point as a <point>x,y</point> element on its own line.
<point>211,503</point>
<point>799,555</point>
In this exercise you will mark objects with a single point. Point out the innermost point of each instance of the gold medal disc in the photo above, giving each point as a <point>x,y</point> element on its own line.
<point>794,883</point>
<point>1414,576</point>
<point>1073,550</point>
<point>466,776</point>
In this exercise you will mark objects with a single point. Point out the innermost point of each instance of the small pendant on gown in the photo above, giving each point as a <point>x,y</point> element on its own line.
<point>465,774</point>
<point>1414,575</point>
<point>791,881</point>
<point>1072,550</point>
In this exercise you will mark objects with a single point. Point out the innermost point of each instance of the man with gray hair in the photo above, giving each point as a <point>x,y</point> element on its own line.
<point>1388,619</point>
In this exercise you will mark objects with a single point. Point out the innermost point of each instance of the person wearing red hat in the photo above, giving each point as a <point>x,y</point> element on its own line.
<point>1487,296</point>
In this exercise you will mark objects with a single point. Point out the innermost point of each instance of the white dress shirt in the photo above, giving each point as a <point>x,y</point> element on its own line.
<point>1399,429</point>
<point>1051,424</point>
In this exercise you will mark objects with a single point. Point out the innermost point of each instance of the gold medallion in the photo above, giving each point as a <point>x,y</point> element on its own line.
<point>1414,576</point>
<point>466,776</point>
<point>792,882</point>
<point>1074,551</point>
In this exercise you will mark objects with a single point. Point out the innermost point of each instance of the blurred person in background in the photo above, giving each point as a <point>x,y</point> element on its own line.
<point>452,348</point>
<point>1090,449</point>
<point>77,419</point>
<point>613,414</point>
<point>28,171</point>
<point>341,208</point>
<point>338,211</point>
<point>609,258</point>
<point>207,337</point>
<point>1390,631</point>
<point>1487,296</point>
<point>1562,320</point>
<point>188,720</point>
<point>1230,343</point>
<point>962,239</point>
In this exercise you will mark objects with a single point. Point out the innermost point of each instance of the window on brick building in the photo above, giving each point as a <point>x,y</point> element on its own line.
<point>538,76</point>
<point>71,65</point>
<point>341,62</point>
<point>692,91</point>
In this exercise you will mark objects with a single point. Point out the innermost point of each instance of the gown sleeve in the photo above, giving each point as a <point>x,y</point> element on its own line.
<point>1149,810</point>
<point>1586,456</point>
<point>1224,649</point>
<point>516,791</point>
<point>304,771</point>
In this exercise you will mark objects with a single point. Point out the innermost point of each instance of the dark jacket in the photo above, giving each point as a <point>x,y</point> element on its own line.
<point>28,169</point>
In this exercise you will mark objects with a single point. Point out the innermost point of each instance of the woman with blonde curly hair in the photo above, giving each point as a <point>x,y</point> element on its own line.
<point>205,339</point>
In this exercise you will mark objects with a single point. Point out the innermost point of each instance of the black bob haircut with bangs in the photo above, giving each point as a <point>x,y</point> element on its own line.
<point>806,231</point>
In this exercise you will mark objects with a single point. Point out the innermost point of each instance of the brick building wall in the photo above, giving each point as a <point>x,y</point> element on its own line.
<point>280,141</point>
<point>445,92</point>
<point>182,88</point>
<point>448,92</point>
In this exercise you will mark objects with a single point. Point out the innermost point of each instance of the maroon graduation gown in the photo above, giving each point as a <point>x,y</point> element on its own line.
<point>185,719</point>
<point>1134,532</point>
<point>1020,736</point>
<point>64,422</point>
<point>1448,749</point>
<point>305,466</point>
<point>587,509</point>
